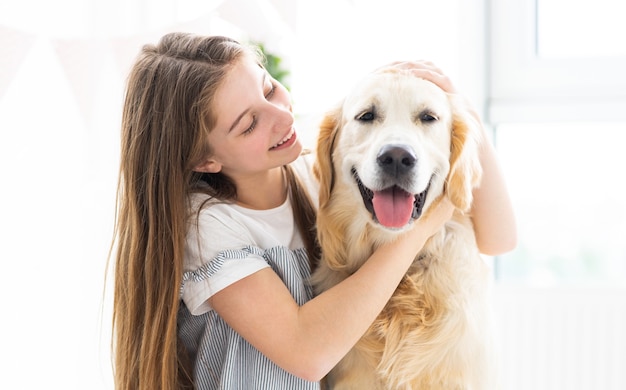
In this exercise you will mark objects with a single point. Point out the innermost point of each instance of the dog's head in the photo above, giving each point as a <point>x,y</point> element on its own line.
<point>393,147</point>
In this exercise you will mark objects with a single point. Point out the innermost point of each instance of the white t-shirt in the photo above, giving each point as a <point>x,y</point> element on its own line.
<point>227,244</point>
<point>223,230</point>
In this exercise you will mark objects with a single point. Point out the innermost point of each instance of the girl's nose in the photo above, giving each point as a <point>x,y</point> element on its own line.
<point>283,114</point>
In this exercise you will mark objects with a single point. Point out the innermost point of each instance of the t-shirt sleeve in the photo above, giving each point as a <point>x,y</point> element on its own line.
<point>218,252</point>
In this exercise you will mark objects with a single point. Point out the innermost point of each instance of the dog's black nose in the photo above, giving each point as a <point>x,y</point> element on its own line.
<point>396,159</point>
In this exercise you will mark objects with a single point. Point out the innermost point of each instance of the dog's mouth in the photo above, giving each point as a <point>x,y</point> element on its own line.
<point>392,207</point>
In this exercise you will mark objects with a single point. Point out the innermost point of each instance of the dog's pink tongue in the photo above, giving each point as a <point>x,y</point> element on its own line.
<point>393,207</point>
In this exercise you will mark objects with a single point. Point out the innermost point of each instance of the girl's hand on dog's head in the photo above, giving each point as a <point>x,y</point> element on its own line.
<point>425,70</point>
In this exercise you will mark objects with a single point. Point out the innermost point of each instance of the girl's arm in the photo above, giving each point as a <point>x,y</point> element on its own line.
<point>309,340</point>
<point>492,211</point>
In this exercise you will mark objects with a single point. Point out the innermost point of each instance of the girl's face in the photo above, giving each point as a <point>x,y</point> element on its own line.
<point>254,129</point>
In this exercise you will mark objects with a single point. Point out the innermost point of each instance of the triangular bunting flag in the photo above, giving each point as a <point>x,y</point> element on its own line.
<point>126,50</point>
<point>82,62</point>
<point>288,11</point>
<point>14,45</point>
<point>259,18</point>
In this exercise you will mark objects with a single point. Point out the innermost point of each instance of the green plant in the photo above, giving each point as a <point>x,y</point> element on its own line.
<point>273,65</point>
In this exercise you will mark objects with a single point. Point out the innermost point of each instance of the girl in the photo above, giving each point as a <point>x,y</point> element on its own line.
<point>216,230</point>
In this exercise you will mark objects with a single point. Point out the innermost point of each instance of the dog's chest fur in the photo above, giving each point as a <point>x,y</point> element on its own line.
<point>438,306</point>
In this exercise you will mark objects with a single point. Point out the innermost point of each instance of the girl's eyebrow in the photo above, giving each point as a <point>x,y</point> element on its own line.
<point>238,119</point>
<point>236,122</point>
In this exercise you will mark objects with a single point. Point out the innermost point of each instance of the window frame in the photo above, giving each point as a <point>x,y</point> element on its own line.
<point>524,87</point>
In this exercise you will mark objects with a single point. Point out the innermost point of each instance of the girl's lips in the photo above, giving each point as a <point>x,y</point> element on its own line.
<point>288,140</point>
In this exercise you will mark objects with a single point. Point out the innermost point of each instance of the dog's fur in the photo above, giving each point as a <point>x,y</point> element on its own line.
<point>434,333</point>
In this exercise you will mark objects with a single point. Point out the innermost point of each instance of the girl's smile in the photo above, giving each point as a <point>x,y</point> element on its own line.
<point>286,142</point>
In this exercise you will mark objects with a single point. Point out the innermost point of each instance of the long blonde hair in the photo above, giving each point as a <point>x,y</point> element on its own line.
<point>167,116</point>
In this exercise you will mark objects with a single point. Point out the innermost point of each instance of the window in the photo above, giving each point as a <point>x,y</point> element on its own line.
<point>567,184</point>
<point>557,102</point>
<point>583,31</point>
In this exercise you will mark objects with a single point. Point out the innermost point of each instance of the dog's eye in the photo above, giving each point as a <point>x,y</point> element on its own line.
<point>428,117</point>
<point>367,116</point>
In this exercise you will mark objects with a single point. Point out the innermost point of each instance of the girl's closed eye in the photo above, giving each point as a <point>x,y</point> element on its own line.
<point>270,92</point>
<point>251,127</point>
<point>268,95</point>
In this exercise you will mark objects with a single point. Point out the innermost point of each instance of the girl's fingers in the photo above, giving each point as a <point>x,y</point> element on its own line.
<point>424,69</point>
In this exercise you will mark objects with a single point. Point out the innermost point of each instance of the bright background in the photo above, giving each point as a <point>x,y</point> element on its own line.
<point>547,75</point>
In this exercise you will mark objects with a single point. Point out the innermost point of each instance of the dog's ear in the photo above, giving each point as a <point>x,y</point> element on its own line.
<point>323,167</point>
<point>465,170</point>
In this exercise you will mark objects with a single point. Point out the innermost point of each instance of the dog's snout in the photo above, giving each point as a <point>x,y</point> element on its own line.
<point>396,159</point>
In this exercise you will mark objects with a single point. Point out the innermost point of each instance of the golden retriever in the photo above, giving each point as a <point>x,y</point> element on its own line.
<point>395,145</point>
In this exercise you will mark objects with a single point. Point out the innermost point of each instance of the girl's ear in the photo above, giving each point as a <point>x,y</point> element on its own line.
<point>208,166</point>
